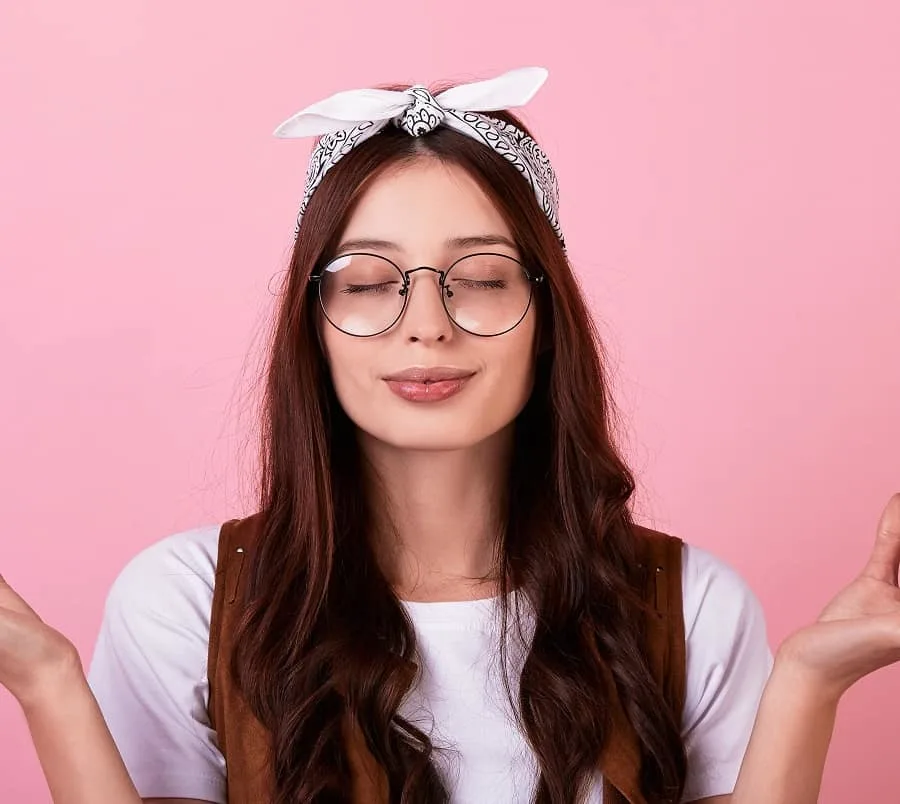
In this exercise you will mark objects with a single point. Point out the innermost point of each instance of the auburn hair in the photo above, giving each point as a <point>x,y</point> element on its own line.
<point>324,636</point>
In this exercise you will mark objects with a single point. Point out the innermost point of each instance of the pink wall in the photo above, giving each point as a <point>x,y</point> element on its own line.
<point>731,195</point>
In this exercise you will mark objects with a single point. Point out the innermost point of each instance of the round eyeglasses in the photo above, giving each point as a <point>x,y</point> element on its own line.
<point>484,294</point>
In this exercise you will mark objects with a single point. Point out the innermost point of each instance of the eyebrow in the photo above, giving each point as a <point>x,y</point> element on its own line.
<point>470,241</point>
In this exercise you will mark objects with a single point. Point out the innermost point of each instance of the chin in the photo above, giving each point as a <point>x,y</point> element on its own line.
<point>430,434</point>
<point>455,424</point>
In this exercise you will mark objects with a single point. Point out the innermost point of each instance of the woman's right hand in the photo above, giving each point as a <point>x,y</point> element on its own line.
<point>33,656</point>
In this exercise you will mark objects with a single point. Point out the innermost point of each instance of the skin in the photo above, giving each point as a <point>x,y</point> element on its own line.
<point>438,465</point>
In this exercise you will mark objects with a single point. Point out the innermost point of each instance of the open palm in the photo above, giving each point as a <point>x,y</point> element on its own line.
<point>858,632</point>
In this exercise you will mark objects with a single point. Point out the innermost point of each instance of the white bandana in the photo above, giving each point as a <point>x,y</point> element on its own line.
<point>346,119</point>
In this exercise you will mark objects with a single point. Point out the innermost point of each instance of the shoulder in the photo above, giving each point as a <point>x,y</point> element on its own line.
<point>724,623</point>
<point>185,557</point>
<point>710,582</point>
<point>171,579</point>
<point>712,590</point>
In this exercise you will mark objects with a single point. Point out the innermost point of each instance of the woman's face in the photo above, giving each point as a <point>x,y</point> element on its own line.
<point>429,214</point>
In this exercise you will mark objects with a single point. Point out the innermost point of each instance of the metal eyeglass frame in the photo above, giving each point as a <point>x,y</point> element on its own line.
<point>446,292</point>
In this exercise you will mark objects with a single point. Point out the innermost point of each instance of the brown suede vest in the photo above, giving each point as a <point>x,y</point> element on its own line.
<point>245,743</point>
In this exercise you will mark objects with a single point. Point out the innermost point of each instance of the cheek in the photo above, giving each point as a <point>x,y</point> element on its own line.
<point>347,364</point>
<point>513,364</point>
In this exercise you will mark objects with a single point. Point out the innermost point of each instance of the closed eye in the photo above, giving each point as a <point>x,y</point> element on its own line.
<point>380,287</point>
<point>481,284</point>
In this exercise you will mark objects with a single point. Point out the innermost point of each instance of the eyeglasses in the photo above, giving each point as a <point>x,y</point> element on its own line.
<point>366,294</point>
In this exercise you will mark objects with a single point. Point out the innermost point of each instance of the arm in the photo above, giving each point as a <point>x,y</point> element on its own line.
<point>74,746</point>
<point>76,751</point>
<point>136,724</point>
<point>856,634</point>
<point>42,670</point>
<point>786,756</point>
<point>77,754</point>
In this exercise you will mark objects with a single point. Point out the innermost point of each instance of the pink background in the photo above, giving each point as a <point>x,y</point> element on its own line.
<point>730,192</point>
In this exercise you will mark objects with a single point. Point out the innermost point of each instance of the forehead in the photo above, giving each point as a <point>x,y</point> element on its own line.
<point>424,203</point>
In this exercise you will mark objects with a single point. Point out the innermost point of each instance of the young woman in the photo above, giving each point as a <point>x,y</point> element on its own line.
<point>443,590</point>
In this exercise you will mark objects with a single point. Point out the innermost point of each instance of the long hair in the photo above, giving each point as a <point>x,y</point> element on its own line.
<point>324,637</point>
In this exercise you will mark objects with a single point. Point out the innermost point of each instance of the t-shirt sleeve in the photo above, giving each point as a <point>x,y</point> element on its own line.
<point>148,671</point>
<point>728,664</point>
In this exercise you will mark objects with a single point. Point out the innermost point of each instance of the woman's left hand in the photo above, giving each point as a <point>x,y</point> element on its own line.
<point>858,632</point>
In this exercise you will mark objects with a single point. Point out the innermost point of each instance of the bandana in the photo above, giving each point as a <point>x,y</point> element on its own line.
<point>343,121</point>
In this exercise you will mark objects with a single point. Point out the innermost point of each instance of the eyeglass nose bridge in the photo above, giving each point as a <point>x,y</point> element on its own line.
<point>442,275</point>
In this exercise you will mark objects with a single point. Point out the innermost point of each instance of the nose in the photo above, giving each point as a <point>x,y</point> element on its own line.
<point>425,319</point>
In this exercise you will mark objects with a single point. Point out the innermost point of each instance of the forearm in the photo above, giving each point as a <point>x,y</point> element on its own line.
<point>785,760</point>
<point>80,760</point>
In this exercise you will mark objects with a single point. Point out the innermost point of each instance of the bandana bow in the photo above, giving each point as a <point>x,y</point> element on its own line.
<point>348,118</point>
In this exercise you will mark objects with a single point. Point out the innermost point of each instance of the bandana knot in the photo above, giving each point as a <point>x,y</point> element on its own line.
<point>423,115</point>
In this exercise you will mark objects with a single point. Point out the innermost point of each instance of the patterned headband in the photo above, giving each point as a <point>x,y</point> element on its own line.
<point>346,119</point>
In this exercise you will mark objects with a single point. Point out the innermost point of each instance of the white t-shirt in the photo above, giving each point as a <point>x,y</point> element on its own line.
<point>149,674</point>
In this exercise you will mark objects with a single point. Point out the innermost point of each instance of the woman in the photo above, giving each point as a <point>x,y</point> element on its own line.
<point>442,590</point>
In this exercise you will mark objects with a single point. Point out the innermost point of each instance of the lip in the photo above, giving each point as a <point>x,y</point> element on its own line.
<point>430,374</point>
<point>428,384</point>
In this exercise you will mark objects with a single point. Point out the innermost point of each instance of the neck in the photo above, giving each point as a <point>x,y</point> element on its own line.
<point>442,512</point>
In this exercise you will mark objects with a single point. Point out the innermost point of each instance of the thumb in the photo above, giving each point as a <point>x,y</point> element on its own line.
<point>11,601</point>
<point>884,563</point>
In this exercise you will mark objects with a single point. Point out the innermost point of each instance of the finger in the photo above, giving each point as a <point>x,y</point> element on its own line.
<point>884,563</point>
<point>11,601</point>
